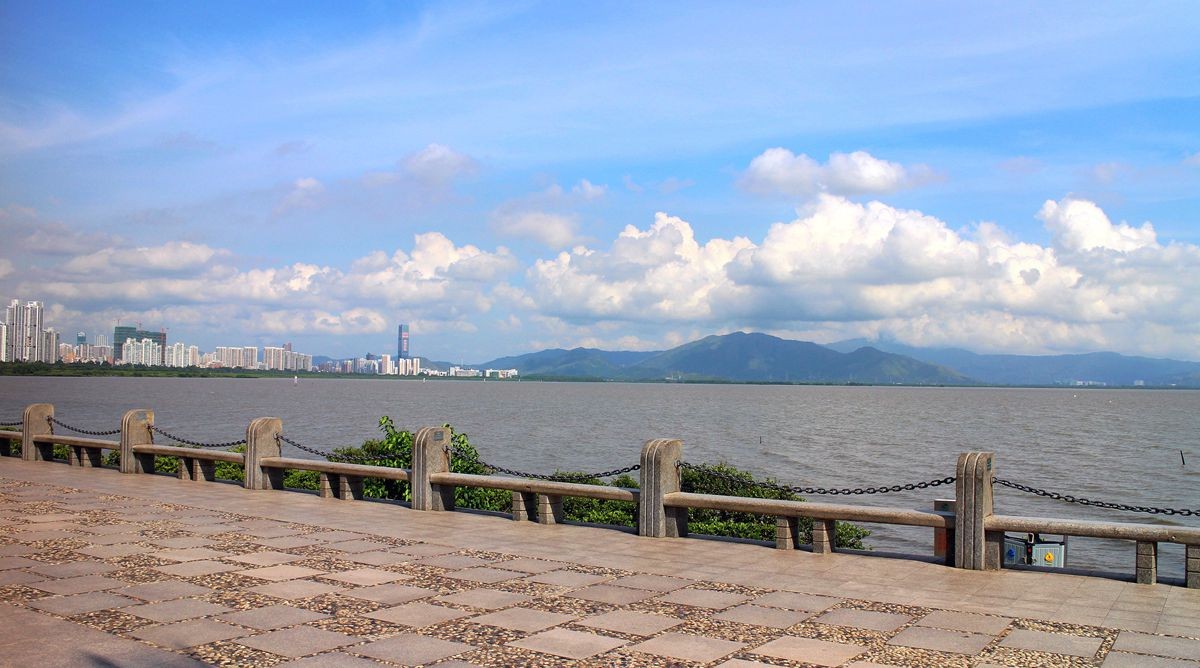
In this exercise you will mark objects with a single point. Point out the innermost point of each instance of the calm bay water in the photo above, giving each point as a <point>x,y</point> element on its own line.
<point>1114,445</point>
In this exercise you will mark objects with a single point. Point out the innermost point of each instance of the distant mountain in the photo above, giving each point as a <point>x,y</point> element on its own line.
<point>1105,367</point>
<point>574,363</point>
<point>738,357</point>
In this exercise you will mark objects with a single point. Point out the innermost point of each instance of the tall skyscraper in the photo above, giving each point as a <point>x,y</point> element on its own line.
<point>25,336</point>
<point>402,342</point>
<point>121,334</point>
<point>81,338</point>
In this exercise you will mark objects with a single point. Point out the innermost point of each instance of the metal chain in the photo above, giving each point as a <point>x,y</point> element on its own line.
<point>1099,504</point>
<point>198,444</point>
<point>64,425</point>
<point>556,477</point>
<point>331,456</point>
<point>18,423</point>
<point>834,491</point>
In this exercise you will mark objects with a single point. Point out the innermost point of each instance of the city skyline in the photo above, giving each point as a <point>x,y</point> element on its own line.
<point>507,178</point>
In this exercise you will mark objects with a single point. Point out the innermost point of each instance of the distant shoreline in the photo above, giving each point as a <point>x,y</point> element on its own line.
<point>21,369</point>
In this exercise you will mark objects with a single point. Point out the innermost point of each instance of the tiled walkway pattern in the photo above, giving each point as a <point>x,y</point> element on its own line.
<point>235,589</point>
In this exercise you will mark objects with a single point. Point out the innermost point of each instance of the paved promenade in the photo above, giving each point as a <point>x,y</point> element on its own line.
<point>103,569</point>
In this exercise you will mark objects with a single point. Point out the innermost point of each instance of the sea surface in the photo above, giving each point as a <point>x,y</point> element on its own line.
<point>1139,447</point>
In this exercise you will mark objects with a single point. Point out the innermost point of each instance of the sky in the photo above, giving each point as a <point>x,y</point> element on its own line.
<point>508,177</point>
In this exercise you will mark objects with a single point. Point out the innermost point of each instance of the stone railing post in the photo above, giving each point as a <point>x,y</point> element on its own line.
<point>135,430</point>
<point>431,454</point>
<point>660,476</point>
<point>36,422</point>
<point>943,539</point>
<point>261,442</point>
<point>975,548</point>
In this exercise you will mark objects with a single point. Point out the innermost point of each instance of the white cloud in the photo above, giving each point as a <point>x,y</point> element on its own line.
<point>588,191</point>
<point>438,165</point>
<point>778,171</point>
<point>1080,225</point>
<point>172,256</point>
<point>549,229</point>
<point>305,194</point>
<point>6,267</point>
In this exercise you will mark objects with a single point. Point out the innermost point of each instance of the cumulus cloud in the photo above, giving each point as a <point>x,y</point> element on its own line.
<point>171,256</point>
<point>588,191</point>
<point>778,171</point>
<point>438,165</point>
<point>846,266</point>
<point>1080,225</point>
<point>305,193</point>
<point>549,229</point>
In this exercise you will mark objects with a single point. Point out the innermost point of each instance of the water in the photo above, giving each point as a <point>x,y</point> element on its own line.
<point>1113,445</point>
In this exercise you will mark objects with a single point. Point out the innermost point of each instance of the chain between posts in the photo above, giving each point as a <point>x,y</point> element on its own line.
<point>18,423</point>
<point>1098,504</point>
<point>331,456</point>
<point>197,444</point>
<point>52,421</point>
<point>553,477</point>
<point>832,491</point>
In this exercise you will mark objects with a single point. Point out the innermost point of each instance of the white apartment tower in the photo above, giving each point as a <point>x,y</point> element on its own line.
<point>25,338</point>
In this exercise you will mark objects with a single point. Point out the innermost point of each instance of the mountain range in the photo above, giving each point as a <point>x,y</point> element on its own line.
<point>753,357</point>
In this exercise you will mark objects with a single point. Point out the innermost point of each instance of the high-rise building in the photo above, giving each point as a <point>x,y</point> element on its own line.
<point>25,336</point>
<point>50,341</point>
<point>402,342</point>
<point>81,338</point>
<point>250,357</point>
<point>121,334</point>
<point>3,341</point>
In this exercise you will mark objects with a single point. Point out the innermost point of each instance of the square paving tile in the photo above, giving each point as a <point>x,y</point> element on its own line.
<point>454,561</point>
<point>272,617</point>
<point>484,599</point>
<point>188,634</point>
<point>17,577</point>
<point>7,563</point>
<point>687,647</point>
<point>73,569</point>
<point>175,611</point>
<point>190,569</point>
<point>522,619</point>
<point>603,593</point>
<point>1054,643</point>
<point>410,649</point>
<point>81,603</point>
<point>567,578</point>
<point>1179,648</point>
<point>17,550</point>
<point>79,585</point>
<point>164,590</point>
<point>628,621</point>
<point>941,640</point>
<point>789,600</point>
<point>527,565</point>
<point>286,542</point>
<point>180,542</point>
<point>418,614</point>
<point>809,650</point>
<point>864,619</point>
<point>965,621</point>
<point>110,551</point>
<point>391,594</point>
<point>486,575</point>
<point>652,582</point>
<point>334,660</point>
<point>189,554</point>
<point>357,546</point>
<point>704,598</point>
<point>776,618</point>
<point>291,590</point>
<point>567,643</point>
<point>268,558</point>
<point>375,558</point>
<point>283,572</point>
<point>299,641</point>
<point>366,576</point>
<point>426,549</point>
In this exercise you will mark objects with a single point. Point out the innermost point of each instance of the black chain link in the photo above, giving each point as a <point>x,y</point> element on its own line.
<point>333,456</point>
<point>18,423</point>
<point>832,491</point>
<point>554,477</point>
<point>64,425</point>
<point>198,444</point>
<point>1098,504</point>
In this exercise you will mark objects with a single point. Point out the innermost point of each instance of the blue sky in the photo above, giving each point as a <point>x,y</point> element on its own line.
<point>508,177</point>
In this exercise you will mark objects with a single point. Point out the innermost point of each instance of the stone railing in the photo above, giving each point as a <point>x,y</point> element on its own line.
<point>970,534</point>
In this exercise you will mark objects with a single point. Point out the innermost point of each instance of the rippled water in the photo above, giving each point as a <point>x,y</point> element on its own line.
<point>1112,445</point>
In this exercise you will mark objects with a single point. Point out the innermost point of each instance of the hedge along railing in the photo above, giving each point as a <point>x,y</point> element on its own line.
<point>974,533</point>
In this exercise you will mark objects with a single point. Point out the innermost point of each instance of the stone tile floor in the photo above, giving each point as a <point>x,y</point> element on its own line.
<point>208,577</point>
